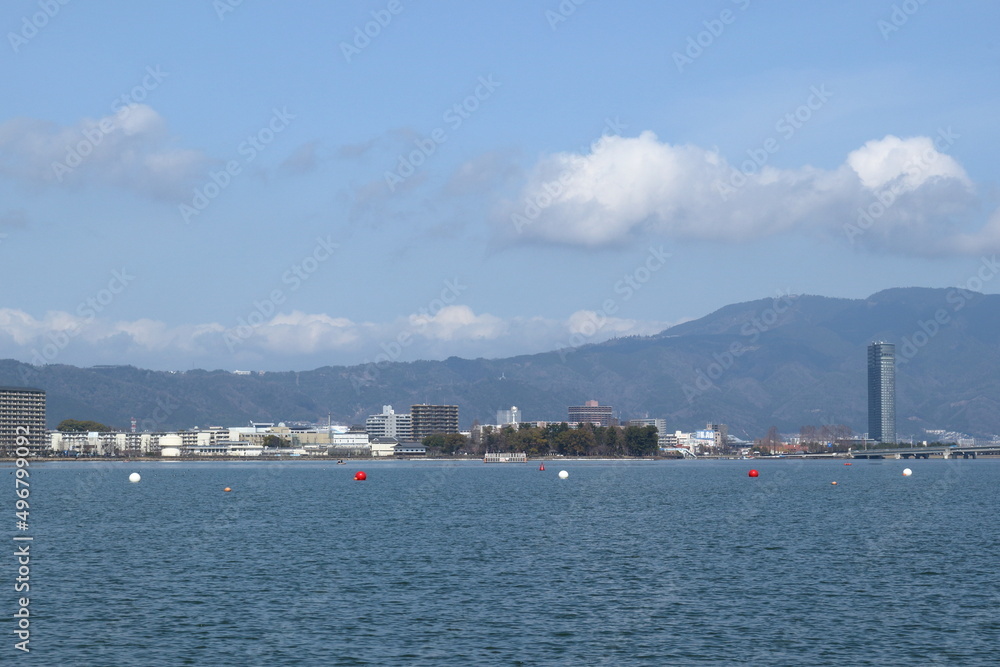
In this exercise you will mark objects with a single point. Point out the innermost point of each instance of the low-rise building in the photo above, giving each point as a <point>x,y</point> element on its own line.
<point>410,449</point>
<point>384,446</point>
<point>225,448</point>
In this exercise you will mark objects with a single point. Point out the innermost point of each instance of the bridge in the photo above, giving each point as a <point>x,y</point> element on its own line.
<point>944,451</point>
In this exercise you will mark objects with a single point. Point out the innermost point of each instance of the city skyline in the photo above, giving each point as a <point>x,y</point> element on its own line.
<point>252,186</point>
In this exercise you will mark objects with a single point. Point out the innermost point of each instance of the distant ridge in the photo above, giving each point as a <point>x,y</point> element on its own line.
<point>787,361</point>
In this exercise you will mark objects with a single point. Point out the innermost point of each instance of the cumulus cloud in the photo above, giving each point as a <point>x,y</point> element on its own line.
<point>908,163</point>
<point>298,339</point>
<point>130,149</point>
<point>906,193</point>
<point>458,322</point>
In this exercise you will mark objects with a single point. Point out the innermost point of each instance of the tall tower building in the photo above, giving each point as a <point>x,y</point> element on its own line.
<point>882,392</point>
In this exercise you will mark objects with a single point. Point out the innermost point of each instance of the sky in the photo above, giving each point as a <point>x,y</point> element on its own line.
<point>251,185</point>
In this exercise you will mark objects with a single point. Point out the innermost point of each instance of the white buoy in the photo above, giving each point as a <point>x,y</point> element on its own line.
<point>563,474</point>
<point>907,472</point>
<point>134,477</point>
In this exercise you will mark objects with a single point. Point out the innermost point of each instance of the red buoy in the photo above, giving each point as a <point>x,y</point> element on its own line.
<point>541,467</point>
<point>753,473</point>
<point>360,476</point>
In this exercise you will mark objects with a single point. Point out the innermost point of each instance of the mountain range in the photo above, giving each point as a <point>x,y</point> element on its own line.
<point>787,361</point>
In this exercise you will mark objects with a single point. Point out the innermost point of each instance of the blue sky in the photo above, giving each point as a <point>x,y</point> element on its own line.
<point>251,185</point>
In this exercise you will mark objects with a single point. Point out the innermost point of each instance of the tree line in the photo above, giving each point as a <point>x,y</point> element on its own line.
<point>587,440</point>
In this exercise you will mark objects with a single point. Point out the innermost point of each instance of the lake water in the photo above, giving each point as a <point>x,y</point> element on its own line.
<point>432,563</point>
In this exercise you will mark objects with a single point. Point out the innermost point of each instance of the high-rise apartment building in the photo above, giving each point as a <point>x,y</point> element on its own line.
<point>431,419</point>
<point>882,392</point>
<point>22,420</point>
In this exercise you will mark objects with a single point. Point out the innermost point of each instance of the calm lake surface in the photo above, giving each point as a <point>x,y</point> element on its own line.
<point>433,563</point>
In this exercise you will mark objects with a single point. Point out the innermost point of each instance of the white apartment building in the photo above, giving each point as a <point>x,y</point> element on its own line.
<point>390,425</point>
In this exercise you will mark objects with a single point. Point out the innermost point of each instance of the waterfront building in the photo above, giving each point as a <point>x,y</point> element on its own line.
<point>721,432</point>
<point>882,392</point>
<point>384,446</point>
<point>406,449</point>
<point>592,412</point>
<point>430,419</point>
<point>224,448</point>
<point>89,443</point>
<point>22,420</point>
<point>390,425</point>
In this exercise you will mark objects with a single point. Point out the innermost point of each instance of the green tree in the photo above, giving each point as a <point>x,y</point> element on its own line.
<point>575,442</point>
<point>75,426</point>
<point>272,440</point>
<point>641,441</point>
<point>433,443</point>
<point>614,442</point>
<point>454,443</point>
<point>531,441</point>
<point>445,443</point>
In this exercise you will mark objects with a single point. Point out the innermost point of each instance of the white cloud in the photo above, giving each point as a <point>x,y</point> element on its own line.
<point>457,322</point>
<point>297,339</point>
<point>626,186</point>
<point>129,149</point>
<point>591,323</point>
<point>910,163</point>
